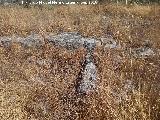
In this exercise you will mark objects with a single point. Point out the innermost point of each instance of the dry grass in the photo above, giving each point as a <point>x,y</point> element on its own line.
<point>34,91</point>
<point>121,21</point>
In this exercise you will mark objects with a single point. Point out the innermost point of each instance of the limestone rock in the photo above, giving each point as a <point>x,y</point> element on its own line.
<point>89,76</point>
<point>72,40</point>
<point>33,40</point>
<point>143,52</point>
<point>89,44</point>
<point>109,42</point>
<point>5,41</point>
<point>69,40</point>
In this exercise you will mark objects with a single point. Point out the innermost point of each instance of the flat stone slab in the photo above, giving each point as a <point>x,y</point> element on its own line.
<point>72,40</point>
<point>68,40</point>
<point>143,52</point>
<point>88,80</point>
<point>33,40</point>
<point>5,41</point>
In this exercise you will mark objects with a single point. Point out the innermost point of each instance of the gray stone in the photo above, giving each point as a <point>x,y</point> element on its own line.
<point>5,41</point>
<point>109,42</point>
<point>72,40</point>
<point>147,43</point>
<point>143,52</point>
<point>89,44</point>
<point>69,40</point>
<point>33,40</point>
<point>89,76</point>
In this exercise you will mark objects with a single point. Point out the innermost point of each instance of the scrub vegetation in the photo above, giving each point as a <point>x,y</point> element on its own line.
<point>38,83</point>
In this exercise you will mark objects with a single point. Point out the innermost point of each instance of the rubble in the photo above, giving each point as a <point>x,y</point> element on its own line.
<point>143,52</point>
<point>109,43</point>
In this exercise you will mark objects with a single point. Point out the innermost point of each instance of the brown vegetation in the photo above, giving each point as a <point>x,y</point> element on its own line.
<point>31,90</point>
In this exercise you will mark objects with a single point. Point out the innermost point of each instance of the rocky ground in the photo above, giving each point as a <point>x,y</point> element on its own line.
<point>69,76</point>
<point>73,40</point>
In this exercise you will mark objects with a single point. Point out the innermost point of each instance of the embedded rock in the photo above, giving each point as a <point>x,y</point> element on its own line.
<point>69,40</point>
<point>143,52</point>
<point>89,74</point>
<point>89,44</point>
<point>33,40</point>
<point>72,40</point>
<point>5,41</point>
<point>109,43</point>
